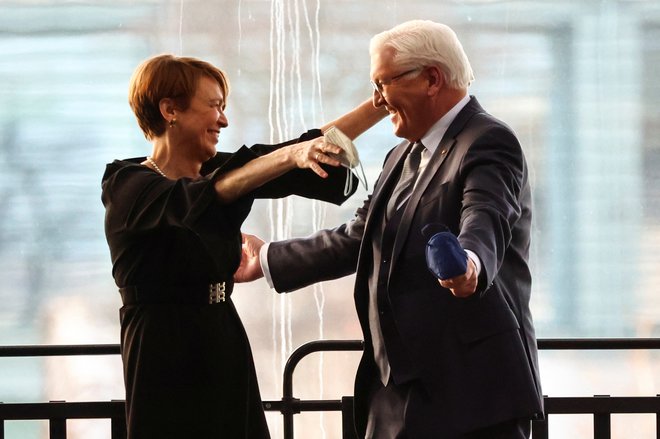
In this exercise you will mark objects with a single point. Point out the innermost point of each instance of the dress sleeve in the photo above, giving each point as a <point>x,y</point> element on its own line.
<point>304,182</point>
<point>139,200</point>
<point>153,222</point>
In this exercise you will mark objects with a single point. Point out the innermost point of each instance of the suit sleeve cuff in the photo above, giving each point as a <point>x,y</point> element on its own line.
<point>263,260</point>
<point>472,255</point>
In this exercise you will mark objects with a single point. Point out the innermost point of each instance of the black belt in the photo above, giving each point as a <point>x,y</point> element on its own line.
<point>195,294</point>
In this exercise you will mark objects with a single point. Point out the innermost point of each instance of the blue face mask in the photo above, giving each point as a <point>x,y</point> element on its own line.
<point>348,158</point>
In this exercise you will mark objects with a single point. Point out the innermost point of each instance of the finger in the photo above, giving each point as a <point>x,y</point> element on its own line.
<point>331,147</point>
<point>318,170</point>
<point>319,158</point>
<point>334,149</point>
<point>447,283</point>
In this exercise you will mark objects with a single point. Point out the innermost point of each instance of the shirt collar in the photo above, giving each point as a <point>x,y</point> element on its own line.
<point>434,135</point>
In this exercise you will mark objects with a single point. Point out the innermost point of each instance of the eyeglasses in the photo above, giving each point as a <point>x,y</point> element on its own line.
<point>378,86</point>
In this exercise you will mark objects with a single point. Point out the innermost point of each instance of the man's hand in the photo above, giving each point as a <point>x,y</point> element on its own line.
<point>464,285</point>
<point>250,267</point>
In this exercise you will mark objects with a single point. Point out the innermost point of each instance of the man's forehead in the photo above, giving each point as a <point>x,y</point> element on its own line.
<point>382,58</point>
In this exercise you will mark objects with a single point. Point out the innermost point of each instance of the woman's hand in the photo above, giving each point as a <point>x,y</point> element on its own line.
<point>311,153</point>
<point>250,266</point>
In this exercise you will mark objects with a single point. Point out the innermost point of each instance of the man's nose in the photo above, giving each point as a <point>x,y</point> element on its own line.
<point>378,99</point>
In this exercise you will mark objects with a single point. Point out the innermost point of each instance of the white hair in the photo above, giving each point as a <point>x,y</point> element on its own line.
<point>419,43</point>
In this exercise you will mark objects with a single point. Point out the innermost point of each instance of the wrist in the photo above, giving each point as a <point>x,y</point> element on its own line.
<point>292,153</point>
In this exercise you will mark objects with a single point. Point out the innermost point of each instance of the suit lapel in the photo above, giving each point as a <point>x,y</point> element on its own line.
<point>444,148</point>
<point>378,201</point>
<point>387,178</point>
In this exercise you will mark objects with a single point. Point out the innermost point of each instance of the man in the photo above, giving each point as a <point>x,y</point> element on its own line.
<point>443,358</point>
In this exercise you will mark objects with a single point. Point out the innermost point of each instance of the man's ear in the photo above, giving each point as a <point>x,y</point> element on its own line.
<point>436,79</point>
<point>167,109</point>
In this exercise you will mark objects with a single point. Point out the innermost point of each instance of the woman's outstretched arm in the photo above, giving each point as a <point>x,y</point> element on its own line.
<point>308,154</point>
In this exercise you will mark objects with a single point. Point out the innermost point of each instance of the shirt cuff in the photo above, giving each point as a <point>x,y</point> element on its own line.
<point>263,260</point>
<point>472,255</point>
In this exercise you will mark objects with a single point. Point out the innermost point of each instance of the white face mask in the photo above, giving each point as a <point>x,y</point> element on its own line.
<point>348,158</point>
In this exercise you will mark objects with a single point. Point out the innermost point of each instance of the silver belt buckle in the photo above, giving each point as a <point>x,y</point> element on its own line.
<point>216,293</point>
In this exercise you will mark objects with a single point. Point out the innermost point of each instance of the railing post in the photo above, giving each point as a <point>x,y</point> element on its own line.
<point>57,426</point>
<point>347,424</point>
<point>602,426</point>
<point>540,428</point>
<point>657,423</point>
<point>117,426</point>
<point>287,414</point>
<point>602,423</point>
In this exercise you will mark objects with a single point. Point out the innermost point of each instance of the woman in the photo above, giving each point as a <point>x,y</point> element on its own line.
<point>173,227</point>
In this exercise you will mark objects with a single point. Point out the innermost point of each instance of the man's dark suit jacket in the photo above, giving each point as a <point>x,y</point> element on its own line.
<point>475,359</point>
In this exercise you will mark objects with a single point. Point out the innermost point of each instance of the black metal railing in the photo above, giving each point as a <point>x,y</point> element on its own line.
<point>600,406</point>
<point>57,412</point>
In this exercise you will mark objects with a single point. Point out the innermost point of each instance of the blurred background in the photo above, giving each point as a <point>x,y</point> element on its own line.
<point>577,81</point>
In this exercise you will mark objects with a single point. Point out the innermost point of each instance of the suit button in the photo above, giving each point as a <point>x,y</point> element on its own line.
<point>384,261</point>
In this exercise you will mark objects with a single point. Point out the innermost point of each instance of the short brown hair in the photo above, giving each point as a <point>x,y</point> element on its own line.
<point>167,76</point>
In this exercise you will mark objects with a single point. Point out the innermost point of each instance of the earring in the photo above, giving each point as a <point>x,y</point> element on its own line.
<point>172,122</point>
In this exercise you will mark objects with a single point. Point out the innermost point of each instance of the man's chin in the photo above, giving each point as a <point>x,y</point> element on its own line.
<point>400,133</point>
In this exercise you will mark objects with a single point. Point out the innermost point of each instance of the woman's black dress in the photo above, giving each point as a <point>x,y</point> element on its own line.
<point>188,366</point>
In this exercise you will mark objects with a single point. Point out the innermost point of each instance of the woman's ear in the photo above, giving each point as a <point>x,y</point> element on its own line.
<point>167,109</point>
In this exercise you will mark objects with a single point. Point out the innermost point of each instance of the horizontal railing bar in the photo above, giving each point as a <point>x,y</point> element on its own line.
<point>115,409</point>
<point>334,345</point>
<point>552,404</point>
<point>601,404</point>
<point>111,409</point>
<point>58,350</point>
<point>61,409</point>
<point>309,405</point>
<point>597,343</point>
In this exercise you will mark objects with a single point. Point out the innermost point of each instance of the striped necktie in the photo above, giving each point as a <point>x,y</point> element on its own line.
<point>406,182</point>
